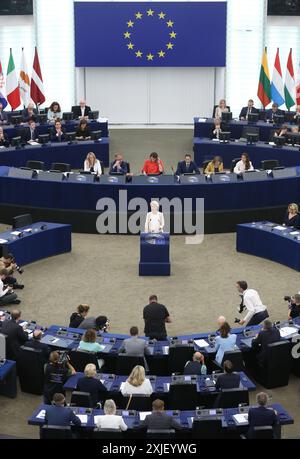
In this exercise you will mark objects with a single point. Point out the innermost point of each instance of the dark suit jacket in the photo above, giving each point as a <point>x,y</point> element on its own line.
<point>124,168</point>
<point>4,142</point>
<point>261,416</point>
<point>269,113</point>
<point>61,416</point>
<point>85,133</point>
<point>228,381</point>
<point>77,111</point>
<point>182,169</point>
<point>54,138</point>
<point>3,117</point>
<point>264,338</point>
<point>160,420</point>
<point>192,368</point>
<point>16,337</point>
<point>36,344</point>
<point>244,111</point>
<point>26,117</point>
<point>295,221</point>
<point>25,134</point>
<point>94,387</point>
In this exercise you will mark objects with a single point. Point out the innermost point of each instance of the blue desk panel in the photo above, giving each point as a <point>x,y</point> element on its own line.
<point>206,149</point>
<point>8,379</point>
<point>262,240</point>
<point>73,154</point>
<point>38,244</point>
<point>155,254</point>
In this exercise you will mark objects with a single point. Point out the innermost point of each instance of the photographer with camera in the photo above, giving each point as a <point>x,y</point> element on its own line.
<point>294,306</point>
<point>8,262</point>
<point>100,323</point>
<point>257,312</point>
<point>57,371</point>
<point>7,296</point>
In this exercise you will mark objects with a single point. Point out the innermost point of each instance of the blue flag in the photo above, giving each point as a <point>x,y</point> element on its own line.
<point>154,34</point>
<point>3,100</point>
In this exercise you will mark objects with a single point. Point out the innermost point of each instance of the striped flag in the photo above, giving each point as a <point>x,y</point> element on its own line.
<point>289,86</point>
<point>12,87</point>
<point>277,91</point>
<point>24,81</point>
<point>298,87</point>
<point>37,85</point>
<point>264,87</point>
<point>3,100</point>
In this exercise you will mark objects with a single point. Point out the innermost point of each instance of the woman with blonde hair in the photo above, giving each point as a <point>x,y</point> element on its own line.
<point>292,217</point>
<point>92,164</point>
<point>221,108</point>
<point>216,165</point>
<point>137,383</point>
<point>110,420</point>
<point>89,383</point>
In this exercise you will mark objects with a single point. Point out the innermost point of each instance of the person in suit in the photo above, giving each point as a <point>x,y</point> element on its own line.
<point>58,133</point>
<point>83,131</point>
<point>187,166</point>
<point>217,129</point>
<point>268,335</point>
<point>221,108</point>
<point>247,110</point>
<point>297,115</point>
<point>3,115</point>
<point>30,134</point>
<point>4,141</point>
<point>229,379</point>
<point>7,296</point>
<point>134,345</point>
<point>156,316</point>
<point>92,164</point>
<point>29,113</point>
<point>118,166</point>
<point>89,383</point>
<point>110,420</point>
<point>82,110</point>
<point>56,374</point>
<point>261,415</point>
<point>294,308</point>
<point>158,419</point>
<point>196,366</point>
<point>137,383</point>
<point>35,343</point>
<point>54,112</point>
<point>16,336</point>
<point>216,165</point>
<point>59,415</point>
<point>273,111</point>
<point>79,316</point>
<point>292,217</point>
<point>225,342</point>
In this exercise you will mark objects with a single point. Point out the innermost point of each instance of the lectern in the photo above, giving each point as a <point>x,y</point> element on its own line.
<point>155,254</point>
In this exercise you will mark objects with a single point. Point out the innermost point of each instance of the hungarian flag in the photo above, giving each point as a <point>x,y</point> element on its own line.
<point>37,85</point>
<point>264,86</point>
<point>24,81</point>
<point>277,92</point>
<point>12,87</point>
<point>298,87</point>
<point>3,100</point>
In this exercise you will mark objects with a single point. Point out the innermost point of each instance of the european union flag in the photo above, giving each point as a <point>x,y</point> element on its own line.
<point>141,34</point>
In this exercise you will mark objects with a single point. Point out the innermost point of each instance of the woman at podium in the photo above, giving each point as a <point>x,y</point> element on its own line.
<point>155,221</point>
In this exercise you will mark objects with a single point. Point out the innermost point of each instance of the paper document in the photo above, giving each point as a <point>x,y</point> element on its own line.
<point>122,386</point>
<point>102,120</point>
<point>28,230</point>
<point>201,343</point>
<point>287,331</point>
<point>16,233</point>
<point>293,233</point>
<point>32,142</point>
<point>280,228</point>
<point>3,241</point>
<point>83,418</point>
<point>41,414</point>
<point>165,350</point>
<point>202,120</point>
<point>216,140</point>
<point>241,419</point>
<point>167,386</point>
<point>143,414</point>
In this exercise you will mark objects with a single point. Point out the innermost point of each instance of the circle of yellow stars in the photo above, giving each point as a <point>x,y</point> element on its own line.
<point>139,54</point>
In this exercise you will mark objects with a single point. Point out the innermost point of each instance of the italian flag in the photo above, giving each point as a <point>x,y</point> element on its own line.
<point>264,86</point>
<point>289,85</point>
<point>12,87</point>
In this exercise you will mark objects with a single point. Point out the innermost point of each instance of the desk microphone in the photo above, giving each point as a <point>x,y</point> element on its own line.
<point>43,227</point>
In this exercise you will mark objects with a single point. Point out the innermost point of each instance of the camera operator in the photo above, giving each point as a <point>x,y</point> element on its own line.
<point>257,312</point>
<point>57,371</point>
<point>8,262</point>
<point>294,306</point>
<point>100,323</point>
<point>7,296</point>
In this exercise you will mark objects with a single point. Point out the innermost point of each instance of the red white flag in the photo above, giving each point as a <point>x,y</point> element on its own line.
<point>298,87</point>
<point>37,85</point>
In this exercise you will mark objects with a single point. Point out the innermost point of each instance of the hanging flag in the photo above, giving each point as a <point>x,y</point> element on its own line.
<point>12,87</point>
<point>264,86</point>
<point>277,91</point>
<point>24,81</point>
<point>298,87</point>
<point>37,85</point>
<point>3,100</point>
<point>289,85</point>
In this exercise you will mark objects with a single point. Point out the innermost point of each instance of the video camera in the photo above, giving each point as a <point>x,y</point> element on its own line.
<point>63,358</point>
<point>18,268</point>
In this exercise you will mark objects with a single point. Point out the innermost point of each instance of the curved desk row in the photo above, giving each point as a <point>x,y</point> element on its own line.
<point>206,149</point>
<point>226,203</point>
<point>70,126</point>
<point>73,154</point>
<point>205,128</point>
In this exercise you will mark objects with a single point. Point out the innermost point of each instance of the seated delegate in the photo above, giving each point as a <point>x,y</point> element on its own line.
<point>79,316</point>
<point>35,343</point>
<point>3,115</point>
<point>82,110</point>
<point>216,165</point>
<point>229,379</point>
<point>4,141</point>
<point>248,110</point>
<point>292,217</point>
<point>158,419</point>
<point>196,366</point>
<point>221,108</point>
<point>217,129</point>
<point>268,335</point>
<point>110,420</point>
<point>88,342</point>
<point>273,111</point>
<point>282,132</point>
<point>224,342</point>
<point>89,383</point>
<point>58,414</point>
<point>29,113</point>
<point>294,308</point>
<point>29,134</point>
<point>153,165</point>
<point>58,133</point>
<point>134,345</point>
<point>83,131</point>
<point>243,165</point>
<point>262,415</point>
<point>119,166</point>
<point>92,164</point>
<point>187,166</point>
<point>137,383</point>
<point>54,112</point>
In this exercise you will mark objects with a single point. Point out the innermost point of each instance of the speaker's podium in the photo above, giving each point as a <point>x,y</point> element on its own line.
<point>155,254</point>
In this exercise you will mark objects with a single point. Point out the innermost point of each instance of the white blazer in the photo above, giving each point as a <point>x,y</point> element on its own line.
<point>240,167</point>
<point>111,421</point>
<point>97,167</point>
<point>154,223</point>
<point>144,389</point>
